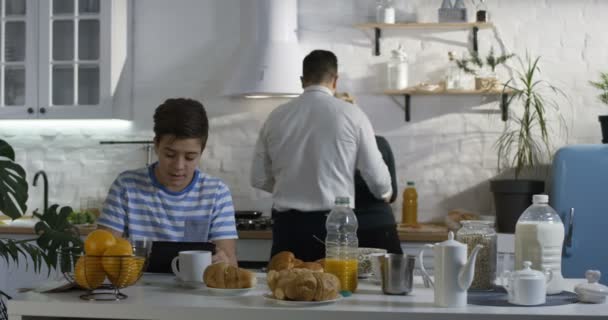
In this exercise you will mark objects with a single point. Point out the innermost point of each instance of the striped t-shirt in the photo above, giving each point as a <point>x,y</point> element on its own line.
<point>138,205</point>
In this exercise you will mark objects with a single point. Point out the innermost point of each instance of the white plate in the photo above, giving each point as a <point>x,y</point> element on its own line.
<point>289,303</point>
<point>228,292</point>
<point>190,284</point>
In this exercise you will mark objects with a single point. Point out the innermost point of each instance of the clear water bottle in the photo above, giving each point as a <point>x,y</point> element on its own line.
<point>539,236</point>
<point>341,244</point>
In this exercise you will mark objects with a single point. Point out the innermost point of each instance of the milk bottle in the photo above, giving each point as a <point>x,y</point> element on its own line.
<point>539,235</point>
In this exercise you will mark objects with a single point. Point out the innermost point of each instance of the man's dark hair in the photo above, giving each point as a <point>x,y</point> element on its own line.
<point>182,118</point>
<point>319,66</point>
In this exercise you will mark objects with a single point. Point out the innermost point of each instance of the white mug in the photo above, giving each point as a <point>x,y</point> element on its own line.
<point>192,265</point>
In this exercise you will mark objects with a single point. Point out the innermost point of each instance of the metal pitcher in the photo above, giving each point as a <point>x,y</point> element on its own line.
<point>397,273</point>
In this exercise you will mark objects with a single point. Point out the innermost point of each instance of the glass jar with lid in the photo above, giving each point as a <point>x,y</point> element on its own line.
<point>472,233</point>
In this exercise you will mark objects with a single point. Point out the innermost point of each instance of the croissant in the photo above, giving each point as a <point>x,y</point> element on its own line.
<point>314,266</point>
<point>303,285</point>
<point>225,276</point>
<point>282,260</point>
<point>286,260</point>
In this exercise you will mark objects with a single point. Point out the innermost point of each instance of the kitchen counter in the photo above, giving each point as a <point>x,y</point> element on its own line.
<point>420,236</point>
<point>159,297</point>
<point>253,234</point>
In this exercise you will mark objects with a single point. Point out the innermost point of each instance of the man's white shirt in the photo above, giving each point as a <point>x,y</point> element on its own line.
<point>309,148</point>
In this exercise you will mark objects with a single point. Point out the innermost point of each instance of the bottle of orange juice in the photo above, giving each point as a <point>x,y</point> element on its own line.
<point>409,210</point>
<point>341,244</point>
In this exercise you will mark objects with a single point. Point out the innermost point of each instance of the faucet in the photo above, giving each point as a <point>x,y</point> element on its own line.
<point>46,188</point>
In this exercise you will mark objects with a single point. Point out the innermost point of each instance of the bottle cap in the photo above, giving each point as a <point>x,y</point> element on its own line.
<point>410,183</point>
<point>540,198</point>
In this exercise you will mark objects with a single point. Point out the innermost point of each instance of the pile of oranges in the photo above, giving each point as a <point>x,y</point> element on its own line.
<point>107,256</point>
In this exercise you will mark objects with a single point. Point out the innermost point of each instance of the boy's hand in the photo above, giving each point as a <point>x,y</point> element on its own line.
<point>220,256</point>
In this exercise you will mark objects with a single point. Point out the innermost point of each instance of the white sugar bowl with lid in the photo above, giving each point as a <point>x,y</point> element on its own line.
<point>527,287</point>
<point>591,291</point>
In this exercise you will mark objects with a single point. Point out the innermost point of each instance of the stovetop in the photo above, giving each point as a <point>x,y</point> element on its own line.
<point>261,223</point>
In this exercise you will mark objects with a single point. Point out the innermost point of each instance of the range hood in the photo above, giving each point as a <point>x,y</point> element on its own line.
<point>269,65</point>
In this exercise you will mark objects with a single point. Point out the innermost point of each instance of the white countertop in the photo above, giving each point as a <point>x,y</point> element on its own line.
<point>160,297</point>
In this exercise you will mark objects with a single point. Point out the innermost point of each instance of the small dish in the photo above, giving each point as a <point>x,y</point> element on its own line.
<point>228,292</point>
<point>291,303</point>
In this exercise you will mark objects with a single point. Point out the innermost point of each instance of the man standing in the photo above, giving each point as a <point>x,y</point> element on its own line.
<point>306,156</point>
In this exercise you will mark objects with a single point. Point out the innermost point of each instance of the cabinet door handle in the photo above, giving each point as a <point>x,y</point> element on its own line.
<point>42,110</point>
<point>30,110</point>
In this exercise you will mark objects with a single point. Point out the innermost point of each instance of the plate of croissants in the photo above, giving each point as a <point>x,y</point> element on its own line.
<point>227,280</point>
<point>296,283</point>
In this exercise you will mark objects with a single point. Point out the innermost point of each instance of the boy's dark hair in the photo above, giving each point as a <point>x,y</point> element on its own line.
<point>319,66</point>
<point>182,118</point>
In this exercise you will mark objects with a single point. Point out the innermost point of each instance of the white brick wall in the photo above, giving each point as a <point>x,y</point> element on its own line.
<point>187,47</point>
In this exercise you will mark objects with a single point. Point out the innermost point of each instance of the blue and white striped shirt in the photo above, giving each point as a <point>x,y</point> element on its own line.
<point>138,205</point>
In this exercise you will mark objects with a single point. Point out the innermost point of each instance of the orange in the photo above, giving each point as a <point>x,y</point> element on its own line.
<point>89,273</point>
<point>122,268</point>
<point>98,241</point>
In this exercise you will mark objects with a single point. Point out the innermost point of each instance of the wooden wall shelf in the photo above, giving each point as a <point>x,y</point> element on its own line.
<point>407,93</point>
<point>377,27</point>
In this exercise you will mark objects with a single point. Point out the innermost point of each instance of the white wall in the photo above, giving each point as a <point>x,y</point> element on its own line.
<point>185,47</point>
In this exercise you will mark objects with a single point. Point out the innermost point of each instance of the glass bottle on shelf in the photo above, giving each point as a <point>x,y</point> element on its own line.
<point>459,4</point>
<point>388,15</point>
<point>452,76</point>
<point>446,4</point>
<point>379,11</point>
<point>472,233</point>
<point>397,69</point>
<point>481,11</point>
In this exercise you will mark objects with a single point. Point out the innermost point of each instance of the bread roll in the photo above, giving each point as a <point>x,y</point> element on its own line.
<point>281,261</point>
<point>224,276</point>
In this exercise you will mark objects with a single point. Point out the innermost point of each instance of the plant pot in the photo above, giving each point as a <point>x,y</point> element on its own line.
<point>604,124</point>
<point>511,199</point>
<point>485,83</point>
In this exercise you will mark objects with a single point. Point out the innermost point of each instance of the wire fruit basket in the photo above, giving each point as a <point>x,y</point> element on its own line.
<point>103,276</point>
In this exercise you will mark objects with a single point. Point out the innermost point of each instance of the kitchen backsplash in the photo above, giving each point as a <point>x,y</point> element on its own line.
<point>447,149</point>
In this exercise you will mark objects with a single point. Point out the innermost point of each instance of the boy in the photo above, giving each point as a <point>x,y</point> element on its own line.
<point>171,200</point>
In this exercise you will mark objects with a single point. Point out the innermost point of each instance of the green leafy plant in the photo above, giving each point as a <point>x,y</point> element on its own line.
<point>13,186</point>
<point>525,142</point>
<point>474,63</point>
<point>54,233</point>
<point>602,84</point>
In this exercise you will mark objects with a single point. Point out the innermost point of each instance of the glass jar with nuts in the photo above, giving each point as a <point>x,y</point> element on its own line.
<point>472,233</point>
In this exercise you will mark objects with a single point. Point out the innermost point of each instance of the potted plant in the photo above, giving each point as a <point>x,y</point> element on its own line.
<point>602,85</point>
<point>54,233</point>
<point>524,147</point>
<point>485,78</point>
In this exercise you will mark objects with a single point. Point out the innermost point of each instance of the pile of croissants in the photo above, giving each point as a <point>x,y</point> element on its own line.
<point>292,279</point>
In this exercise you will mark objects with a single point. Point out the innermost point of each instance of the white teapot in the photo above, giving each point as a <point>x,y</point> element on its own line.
<point>527,287</point>
<point>453,272</point>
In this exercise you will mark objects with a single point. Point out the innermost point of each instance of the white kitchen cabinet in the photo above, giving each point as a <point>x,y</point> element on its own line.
<point>62,59</point>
